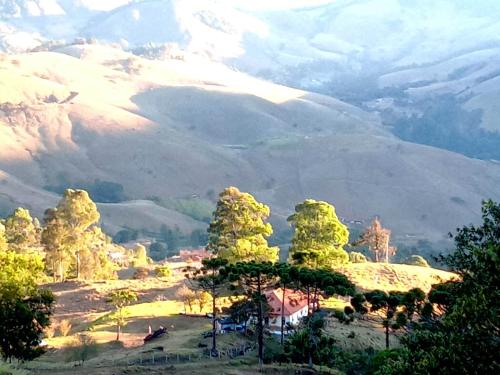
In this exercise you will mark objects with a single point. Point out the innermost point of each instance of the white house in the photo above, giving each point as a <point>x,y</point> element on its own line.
<point>295,307</point>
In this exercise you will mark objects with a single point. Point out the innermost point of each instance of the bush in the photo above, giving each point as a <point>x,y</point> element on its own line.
<point>141,273</point>
<point>50,331</point>
<point>355,257</point>
<point>417,260</point>
<point>163,271</point>
<point>274,351</point>
<point>64,327</point>
<point>85,349</point>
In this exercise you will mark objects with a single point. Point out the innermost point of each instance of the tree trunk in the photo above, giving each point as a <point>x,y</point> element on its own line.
<point>283,315</point>
<point>260,327</point>
<point>118,331</point>
<point>214,327</point>
<point>387,335</point>
<point>61,269</point>
<point>78,264</point>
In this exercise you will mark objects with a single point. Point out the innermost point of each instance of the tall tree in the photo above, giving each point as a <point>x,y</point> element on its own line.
<point>68,228</point>
<point>120,299</point>
<point>319,236</point>
<point>239,229</point>
<point>78,213</point>
<point>254,278</point>
<point>210,278</point>
<point>20,231</point>
<point>377,238</point>
<point>53,239</point>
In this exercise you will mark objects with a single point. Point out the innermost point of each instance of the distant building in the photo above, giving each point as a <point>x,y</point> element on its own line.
<point>295,307</point>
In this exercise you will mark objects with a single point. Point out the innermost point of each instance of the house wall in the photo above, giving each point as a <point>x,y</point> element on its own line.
<point>292,319</point>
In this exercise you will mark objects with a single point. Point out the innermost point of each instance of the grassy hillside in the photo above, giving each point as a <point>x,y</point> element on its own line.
<point>388,277</point>
<point>173,130</point>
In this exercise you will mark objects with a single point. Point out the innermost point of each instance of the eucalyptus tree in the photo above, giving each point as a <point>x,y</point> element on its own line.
<point>21,233</point>
<point>377,238</point>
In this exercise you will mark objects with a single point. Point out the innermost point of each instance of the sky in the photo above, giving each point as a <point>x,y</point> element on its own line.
<point>276,4</point>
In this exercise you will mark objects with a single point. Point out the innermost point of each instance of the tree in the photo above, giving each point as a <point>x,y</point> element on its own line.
<point>210,278</point>
<point>66,231</point>
<point>464,336</point>
<point>140,256</point>
<point>319,235</point>
<point>310,344</point>
<point>187,296</point>
<point>3,240</point>
<point>170,237</point>
<point>78,213</point>
<point>199,237</point>
<point>377,239</point>
<point>120,299</point>
<point>24,308</point>
<point>20,231</point>
<point>254,278</point>
<point>53,239</point>
<point>203,299</point>
<point>239,229</point>
<point>388,303</point>
<point>320,282</point>
<point>158,251</point>
<point>94,261</point>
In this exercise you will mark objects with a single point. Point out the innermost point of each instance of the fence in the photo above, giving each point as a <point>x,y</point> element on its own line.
<point>152,358</point>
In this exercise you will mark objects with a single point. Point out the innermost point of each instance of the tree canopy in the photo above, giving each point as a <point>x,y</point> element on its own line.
<point>319,236</point>
<point>463,337</point>
<point>239,229</point>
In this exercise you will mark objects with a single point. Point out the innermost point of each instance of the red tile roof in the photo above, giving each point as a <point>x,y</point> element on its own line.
<point>294,301</point>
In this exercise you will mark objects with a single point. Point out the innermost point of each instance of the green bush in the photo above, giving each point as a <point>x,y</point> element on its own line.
<point>417,260</point>
<point>273,351</point>
<point>355,257</point>
<point>163,271</point>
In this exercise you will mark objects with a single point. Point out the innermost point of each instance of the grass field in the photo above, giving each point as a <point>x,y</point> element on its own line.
<point>85,306</point>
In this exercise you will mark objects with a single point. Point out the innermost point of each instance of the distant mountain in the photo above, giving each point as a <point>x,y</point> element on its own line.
<point>184,128</point>
<point>393,57</point>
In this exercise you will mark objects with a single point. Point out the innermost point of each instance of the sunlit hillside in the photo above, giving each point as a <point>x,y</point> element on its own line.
<point>186,129</point>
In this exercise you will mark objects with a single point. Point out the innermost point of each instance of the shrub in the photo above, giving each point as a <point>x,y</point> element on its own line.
<point>274,351</point>
<point>141,273</point>
<point>85,349</point>
<point>50,331</point>
<point>64,327</point>
<point>355,257</point>
<point>163,271</point>
<point>417,260</point>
